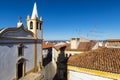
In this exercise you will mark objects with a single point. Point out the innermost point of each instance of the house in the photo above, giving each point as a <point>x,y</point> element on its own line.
<point>21,48</point>
<point>56,49</point>
<point>99,64</point>
<point>112,43</point>
<point>80,45</point>
<point>76,46</point>
<point>49,63</point>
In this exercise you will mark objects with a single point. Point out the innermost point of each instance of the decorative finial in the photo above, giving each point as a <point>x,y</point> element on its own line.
<point>28,17</point>
<point>40,18</point>
<point>19,22</point>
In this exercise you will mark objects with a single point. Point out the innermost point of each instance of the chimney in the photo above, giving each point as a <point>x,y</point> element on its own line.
<point>74,43</point>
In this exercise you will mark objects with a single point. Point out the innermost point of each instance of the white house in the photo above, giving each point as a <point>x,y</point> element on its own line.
<point>49,63</point>
<point>112,43</point>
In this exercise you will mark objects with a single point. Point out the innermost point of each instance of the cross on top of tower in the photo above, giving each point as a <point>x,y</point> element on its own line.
<point>19,22</point>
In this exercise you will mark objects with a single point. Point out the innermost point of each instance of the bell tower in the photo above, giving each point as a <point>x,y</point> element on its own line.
<point>34,24</point>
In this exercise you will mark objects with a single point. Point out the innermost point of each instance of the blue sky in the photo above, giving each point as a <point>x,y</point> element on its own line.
<point>64,19</point>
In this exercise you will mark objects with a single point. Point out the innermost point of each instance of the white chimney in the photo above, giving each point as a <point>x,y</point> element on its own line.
<point>74,43</point>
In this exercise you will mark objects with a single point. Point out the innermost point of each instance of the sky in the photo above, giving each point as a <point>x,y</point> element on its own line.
<point>65,19</point>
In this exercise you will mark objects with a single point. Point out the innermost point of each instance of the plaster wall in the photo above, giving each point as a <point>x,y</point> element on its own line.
<point>50,70</point>
<point>73,75</point>
<point>9,58</point>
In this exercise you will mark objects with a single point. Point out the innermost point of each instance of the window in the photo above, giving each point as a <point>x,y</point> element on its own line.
<point>31,25</point>
<point>37,25</point>
<point>20,50</point>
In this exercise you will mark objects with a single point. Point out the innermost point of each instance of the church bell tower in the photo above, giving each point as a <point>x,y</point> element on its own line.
<point>34,23</point>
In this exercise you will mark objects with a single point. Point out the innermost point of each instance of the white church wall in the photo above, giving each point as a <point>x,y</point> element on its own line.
<point>38,34</point>
<point>39,55</point>
<point>3,40</point>
<point>29,56</point>
<point>73,75</point>
<point>9,58</point>
<point>9,41</point>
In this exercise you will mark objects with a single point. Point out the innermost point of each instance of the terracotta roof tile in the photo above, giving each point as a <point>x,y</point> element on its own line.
<point>47,45</point>
<point>59,46</point>
<point>113,40</point>
<point>104,59</point>
<point>83,46</point>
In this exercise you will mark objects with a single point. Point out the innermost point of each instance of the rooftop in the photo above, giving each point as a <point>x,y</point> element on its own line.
<point>47,44</point>
<point>113,40</point>
<point>83,46</point>
<point>103,59</point>
<point>58,46</point>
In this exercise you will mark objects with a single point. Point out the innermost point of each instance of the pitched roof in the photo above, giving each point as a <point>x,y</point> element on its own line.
<point>83,46</point>
<point>46,45</point>
<point>113,40</point>
<point>14,29</point>
<point>104,59</point>
<point>57,47</point>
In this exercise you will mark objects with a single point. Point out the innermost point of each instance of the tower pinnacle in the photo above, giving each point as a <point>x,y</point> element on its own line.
<point>34,13</point>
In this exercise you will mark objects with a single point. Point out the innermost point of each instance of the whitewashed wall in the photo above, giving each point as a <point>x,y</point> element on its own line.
<point>39,34</point>
<point>9,51</point>
<point>96,46</point>
<point>54,54</point>
<point>50,70</point>
<point>74,44</point>
<point>9,58</point>
<point>73,52</point>
<point>85,76</point>
<point>29,56</point>
<point>39,55</point>
<point>112,44</point>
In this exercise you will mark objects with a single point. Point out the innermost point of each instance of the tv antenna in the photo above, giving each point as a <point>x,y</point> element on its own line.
<point>94,33</point>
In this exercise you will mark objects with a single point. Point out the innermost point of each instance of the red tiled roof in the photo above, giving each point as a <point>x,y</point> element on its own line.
<point>59,46</point>
<point>47,45</point>
<point>113,40</point>
<point>104,59</point>
<point>83,46</point>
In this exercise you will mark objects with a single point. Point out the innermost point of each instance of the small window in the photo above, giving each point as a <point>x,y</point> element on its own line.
<point>37,25</point>
<point>31,25</point>
<point>20,50</point>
